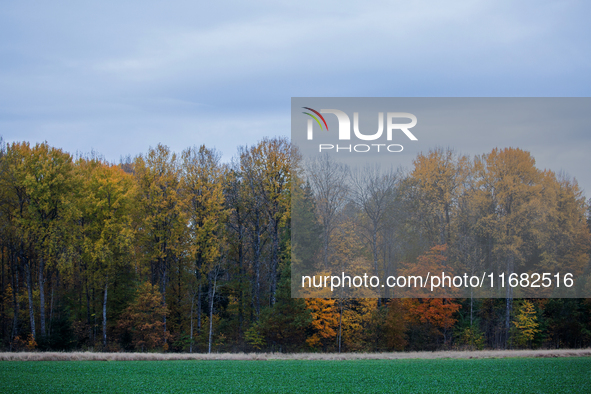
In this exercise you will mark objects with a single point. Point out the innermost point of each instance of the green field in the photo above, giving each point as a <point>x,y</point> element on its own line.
<point>527,375</point>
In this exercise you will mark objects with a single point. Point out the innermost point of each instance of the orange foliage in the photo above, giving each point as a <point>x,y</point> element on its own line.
<point>325,320</point>
<point>144,319</point>
<point>27,343</point>
<point>432,262</point>
<point>437,312</point>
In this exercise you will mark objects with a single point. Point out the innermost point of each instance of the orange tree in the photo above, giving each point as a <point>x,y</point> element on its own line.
<point>141,321</point>
<point>435,315</point>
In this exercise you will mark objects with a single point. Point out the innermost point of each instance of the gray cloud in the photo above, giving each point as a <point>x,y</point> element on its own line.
<point>117,77</point>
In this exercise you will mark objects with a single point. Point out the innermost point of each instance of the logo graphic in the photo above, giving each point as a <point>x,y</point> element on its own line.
<point>345,130</point>
<point>345,124</point>
<point>315,118</point>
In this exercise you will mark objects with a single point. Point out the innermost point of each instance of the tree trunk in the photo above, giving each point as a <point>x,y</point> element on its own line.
<point>340,322</point>
<point>257,266</point>
<point>509,299</point>
<point>199,309</point>
<point>508,308</point>
<point>15,289</point>
<point>191,330</point>
<point>274,260</point>
<point>53,284</point>
<point>88,309</point>
<point>105,314</point>
<point>42,295</point>
<point>94,325</point>
<point>471,304</point>
<point>164,278</point>
<point>374,246</point>
<point>326,236</point>
<point>211,310</point>
<point>29,282</point>
<point>240,279</point>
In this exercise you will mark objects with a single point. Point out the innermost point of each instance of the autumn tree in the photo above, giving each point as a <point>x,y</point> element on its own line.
<point>565,240</point>
<point>211,246</point>
<point>359,324</point>
<point>512,213</point>
<point>107,231</point>
<point>207,213</point>
<point>12,203</point>
<point>437,314</point>
<point>324,321</point>
<point>42,182</point>
<point>160,219</point>
<point>439,178</point>
<point>526,323</point>
<point>142,319</point>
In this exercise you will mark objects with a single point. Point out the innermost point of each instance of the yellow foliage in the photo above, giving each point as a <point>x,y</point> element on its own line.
<point>526,323</point>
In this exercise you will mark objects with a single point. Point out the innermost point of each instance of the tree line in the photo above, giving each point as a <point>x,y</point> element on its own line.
<point>185,253</point>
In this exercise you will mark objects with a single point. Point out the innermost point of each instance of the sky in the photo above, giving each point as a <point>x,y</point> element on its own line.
<point>118,77</point>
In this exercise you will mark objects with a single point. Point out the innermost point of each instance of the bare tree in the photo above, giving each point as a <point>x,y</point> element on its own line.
<point>329,184</point>
<point>372,191</point>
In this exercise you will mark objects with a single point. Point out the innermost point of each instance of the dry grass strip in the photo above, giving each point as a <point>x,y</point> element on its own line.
<point>91,356</point>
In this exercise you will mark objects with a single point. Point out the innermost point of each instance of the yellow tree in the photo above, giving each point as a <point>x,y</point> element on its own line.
<point>359,324</point>
<point>41,179</point>
<point>106,202</point>
<point>12,204</point>
<point>439,176</point>
<point>160,214</point>
<point>566,239</point>
<point>526,323</point>
<point>512,211</point>
<point>204,185</point>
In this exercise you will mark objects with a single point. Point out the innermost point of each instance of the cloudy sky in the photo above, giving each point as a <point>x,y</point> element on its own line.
<point>120,76</point>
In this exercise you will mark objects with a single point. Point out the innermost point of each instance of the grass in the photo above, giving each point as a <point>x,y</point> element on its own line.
<point>528,375</point>
<point>92,356</point>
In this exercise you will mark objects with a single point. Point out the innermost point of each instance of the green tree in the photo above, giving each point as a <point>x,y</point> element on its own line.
<point>265,173</point>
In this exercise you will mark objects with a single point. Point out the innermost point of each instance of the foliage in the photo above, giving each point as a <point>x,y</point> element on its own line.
<point>143,319</point>
<point>471,338</point>
<point>526,323</point>
<point>254,338</point>
<point>324,321</point>
<point>396,325</point>
<point>210,242</point>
